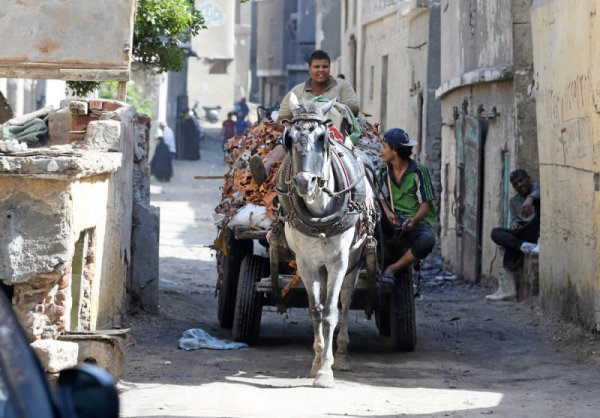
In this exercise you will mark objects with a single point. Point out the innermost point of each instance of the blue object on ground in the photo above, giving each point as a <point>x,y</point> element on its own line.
<point>196,338</point>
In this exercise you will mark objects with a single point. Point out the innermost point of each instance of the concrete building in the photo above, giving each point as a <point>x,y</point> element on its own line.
<point>328,21</point>
<point>285,38</point>
<point>566,46</point>
<point>489,125</point>
<point>391,54</point>
<point>211,76</point>
<point>243,50</point>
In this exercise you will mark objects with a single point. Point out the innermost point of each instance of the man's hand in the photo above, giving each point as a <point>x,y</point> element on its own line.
<point>527,206</point>
<point>516,226</point>
<point>408,224</point>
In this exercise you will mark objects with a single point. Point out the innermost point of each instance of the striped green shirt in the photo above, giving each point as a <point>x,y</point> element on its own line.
<point>413,189</point>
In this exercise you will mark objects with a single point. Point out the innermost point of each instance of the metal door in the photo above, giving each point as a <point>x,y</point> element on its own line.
<point>470,137</point>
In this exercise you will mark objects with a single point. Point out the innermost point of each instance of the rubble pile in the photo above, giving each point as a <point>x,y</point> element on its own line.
<point>240,189</point>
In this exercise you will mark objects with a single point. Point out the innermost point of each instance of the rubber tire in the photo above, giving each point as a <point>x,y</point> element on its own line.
<point>248,305</point>
<point>382,315</point>
<point>229,284</point>
<point>402,313</point>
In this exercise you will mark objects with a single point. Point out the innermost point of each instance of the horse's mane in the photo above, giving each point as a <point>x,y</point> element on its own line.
<point>308,107</point>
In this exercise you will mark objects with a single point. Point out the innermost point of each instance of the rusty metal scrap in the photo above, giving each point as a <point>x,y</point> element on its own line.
<point>239,187</point>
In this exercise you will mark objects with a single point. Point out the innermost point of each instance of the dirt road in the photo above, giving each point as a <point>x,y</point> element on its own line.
<point>473,358</point>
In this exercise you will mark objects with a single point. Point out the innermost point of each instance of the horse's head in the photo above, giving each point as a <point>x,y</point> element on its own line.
<point>306,140</point>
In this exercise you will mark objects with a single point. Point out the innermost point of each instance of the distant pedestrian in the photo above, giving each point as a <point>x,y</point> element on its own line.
<point>161,165</point>
<point>242,107</point>
<point>168,136</point>
<point>240,124</point>
<point>228,130</point>
<point>191,136</point>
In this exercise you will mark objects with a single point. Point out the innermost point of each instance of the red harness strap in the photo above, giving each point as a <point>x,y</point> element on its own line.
<point>336,135</point>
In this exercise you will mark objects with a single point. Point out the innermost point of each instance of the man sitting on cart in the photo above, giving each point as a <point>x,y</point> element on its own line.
<point>320,85</point>
<point>407,198</point>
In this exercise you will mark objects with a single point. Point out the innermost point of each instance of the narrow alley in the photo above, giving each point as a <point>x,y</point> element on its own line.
<point>472,358</point>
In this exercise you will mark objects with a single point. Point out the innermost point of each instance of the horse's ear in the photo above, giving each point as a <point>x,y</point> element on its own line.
<point>294,104</point>
<point>327,107</point>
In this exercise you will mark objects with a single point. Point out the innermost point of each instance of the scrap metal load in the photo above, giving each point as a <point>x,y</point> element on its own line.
<point>246,203</point>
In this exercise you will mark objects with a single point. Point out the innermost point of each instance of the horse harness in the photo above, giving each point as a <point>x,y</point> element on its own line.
<point>350,206</point>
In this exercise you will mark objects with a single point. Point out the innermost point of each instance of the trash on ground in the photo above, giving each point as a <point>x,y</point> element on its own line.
<point>197,338</point>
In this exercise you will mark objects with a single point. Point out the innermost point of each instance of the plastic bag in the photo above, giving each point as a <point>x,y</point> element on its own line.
<point>196,338</point>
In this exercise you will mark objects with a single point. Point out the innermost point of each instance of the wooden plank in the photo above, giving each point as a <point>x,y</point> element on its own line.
<point>93,75</point>
<point>57,73</point>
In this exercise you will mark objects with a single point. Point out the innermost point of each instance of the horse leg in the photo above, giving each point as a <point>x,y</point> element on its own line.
<point>324,377</point>
<point>341,360</point>
<point>315,308</point>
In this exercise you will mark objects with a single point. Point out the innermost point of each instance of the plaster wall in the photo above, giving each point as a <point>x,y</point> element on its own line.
<point>48,198</point>
<point>475,34</point>
<point>389,37</point>
<point>567,88</point>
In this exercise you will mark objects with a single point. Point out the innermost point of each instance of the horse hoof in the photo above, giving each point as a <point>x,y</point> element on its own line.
<point>342,364</point>
<point>324,380</point>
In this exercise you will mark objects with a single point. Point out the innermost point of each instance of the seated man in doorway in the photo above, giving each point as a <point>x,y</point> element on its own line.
<point>320,83</point>
<point>524,228</point>
<point>405,187</point>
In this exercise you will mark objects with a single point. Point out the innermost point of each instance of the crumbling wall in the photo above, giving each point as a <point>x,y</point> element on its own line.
<point>70,205</point>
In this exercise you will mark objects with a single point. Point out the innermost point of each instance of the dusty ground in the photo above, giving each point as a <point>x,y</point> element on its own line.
<point>473,358</point>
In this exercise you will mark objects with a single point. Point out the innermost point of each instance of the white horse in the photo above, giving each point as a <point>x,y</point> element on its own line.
<point>322,189</point>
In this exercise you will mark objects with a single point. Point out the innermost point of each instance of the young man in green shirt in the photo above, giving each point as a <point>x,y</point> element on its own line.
<point>406,185</point>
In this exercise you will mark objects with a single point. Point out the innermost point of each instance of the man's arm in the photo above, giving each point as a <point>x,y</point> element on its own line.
<point>527,207</point>
<point>285,112</point>
<point>348,96</point>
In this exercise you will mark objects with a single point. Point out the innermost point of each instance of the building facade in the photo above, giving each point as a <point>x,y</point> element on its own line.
<point>489,126</point>
<point>391,54</point>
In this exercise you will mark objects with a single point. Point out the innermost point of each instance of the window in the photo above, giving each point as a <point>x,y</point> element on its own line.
<point>218,66</point>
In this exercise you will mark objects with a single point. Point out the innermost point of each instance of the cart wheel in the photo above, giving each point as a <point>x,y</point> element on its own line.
<point>229,283</point>
<point>382,313</point>
<point>248,305</point>
<point>382,320</point>
<point>402,319</point>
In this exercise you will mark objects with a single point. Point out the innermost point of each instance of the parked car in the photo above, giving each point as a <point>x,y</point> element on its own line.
<point>83,391</point>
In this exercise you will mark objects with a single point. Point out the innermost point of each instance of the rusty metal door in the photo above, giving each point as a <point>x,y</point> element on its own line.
<point>470,137</point>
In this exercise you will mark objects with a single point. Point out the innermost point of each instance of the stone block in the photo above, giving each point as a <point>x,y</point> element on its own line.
<point>78,107</point>
<point>59,125</point>
<point>145,257</point>
<point>56,355</point>
<point>103,348</point>
<point>104,135</point>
